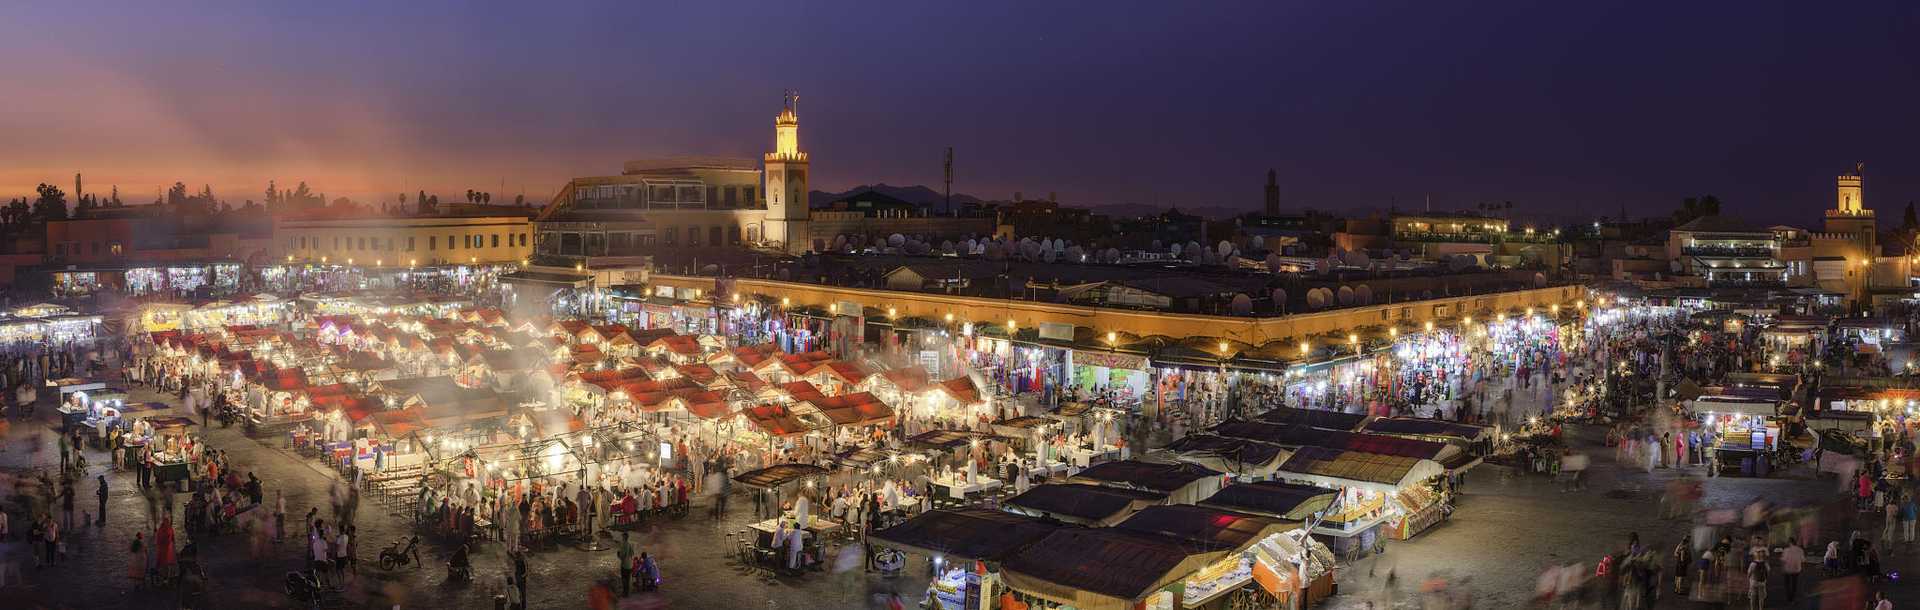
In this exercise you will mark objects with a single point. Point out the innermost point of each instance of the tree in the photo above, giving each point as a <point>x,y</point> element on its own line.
<point>52,204</point>
<point>486,198</point>
<point>273,194</point>
<point>520,200</point>
<point>1696,207</point>
<point>1908,222</point>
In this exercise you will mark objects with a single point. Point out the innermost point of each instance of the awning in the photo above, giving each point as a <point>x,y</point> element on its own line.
<point>778,474</point>
<point>967,534</point>
<point>562,280</point>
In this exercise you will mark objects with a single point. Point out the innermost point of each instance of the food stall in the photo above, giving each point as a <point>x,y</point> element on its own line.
<point>1105,569</point>
<point>1374,491</point>
<point>965,547</point>
<point>1082,504</point>
<point>1296,569</point>
<point>796,481</point>
<point>1746,428</point>
<point>172,462</point>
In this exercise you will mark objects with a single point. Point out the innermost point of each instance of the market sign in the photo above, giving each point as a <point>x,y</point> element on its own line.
<point>1056,331</point>
<point>1112,360</point>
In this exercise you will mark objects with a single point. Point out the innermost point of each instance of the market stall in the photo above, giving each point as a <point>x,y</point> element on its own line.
<point>964,546</point>
<point>1082,504</point>
<point>1182,483</point>
<point>1106,569</point>
<point>1375,489</point>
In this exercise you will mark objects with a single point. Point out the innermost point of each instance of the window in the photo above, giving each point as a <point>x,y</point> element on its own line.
<point>672,237</point>
<point>433,242</point>
<point>409,243</point>
<point>748,196</point>
<point>336,243</point>
<point>115,248</point>
<point>733,235</point>
<point>693,236</point>
<point>59,250</point>
<point>450,245</point>
<point>496,240</point>
<point>523,240</point>
<point>645,240</point>
<point>713,236</point>
<point>96,248</point>
<point>619,242</point>
<point>728,195</point>
<point>361,244</point>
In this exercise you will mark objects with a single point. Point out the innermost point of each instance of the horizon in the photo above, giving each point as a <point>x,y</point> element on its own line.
<point>1356,107</point>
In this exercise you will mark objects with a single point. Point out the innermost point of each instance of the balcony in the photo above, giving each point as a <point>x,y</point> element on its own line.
<point>1474,237</point>
<point>1728,251</point>
<point>1719,283</point>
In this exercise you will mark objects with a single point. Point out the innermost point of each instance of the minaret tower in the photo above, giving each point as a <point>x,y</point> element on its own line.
<point>1273,194</point>
<point>786,175</point>
<point>1850,213</point>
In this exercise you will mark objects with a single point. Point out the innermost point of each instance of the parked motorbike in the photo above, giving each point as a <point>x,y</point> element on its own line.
<point>396,555</point>
<point>301,586</point>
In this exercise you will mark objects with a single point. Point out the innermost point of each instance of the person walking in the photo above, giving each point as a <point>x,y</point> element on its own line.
<point>1757,574</point>
<point>101,493</point>
<point>1909,513</point>
<point>624,568</point>
<point>520,577</point>
<point>64,450</point>
<point>1891,522</point>
<point>66,502</point>
<point>1792,559</point>
<point>137,558</point>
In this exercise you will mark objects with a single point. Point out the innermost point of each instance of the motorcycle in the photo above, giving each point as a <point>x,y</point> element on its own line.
<point>459,573</point>
<point>396,555</point>
<point>301,586</point>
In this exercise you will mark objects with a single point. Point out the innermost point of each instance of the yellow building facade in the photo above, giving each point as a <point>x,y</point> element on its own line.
<point>1243,331</point>
<point>405,241</point>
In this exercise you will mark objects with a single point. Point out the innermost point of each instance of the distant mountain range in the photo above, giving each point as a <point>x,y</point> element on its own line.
<point>918,194</point>
<point>926,196</point>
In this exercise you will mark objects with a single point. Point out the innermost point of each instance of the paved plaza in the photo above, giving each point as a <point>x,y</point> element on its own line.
<point>1504,531</point>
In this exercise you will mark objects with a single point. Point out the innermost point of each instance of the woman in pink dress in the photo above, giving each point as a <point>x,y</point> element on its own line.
<point>163,544</point>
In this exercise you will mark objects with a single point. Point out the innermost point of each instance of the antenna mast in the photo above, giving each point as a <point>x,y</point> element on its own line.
<point>949,191</point>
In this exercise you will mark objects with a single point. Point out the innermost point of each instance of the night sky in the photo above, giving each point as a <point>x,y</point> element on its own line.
<point>1563,108</point>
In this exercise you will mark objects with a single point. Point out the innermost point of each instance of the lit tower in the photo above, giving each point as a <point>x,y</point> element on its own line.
<point>786,174</point>
<point>1850,213</point>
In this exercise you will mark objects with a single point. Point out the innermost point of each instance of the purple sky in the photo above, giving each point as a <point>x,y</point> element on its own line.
<point>1570,108</point>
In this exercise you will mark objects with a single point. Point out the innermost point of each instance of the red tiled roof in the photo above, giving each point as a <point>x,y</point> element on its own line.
<point>699,373</point>
<point>776,420</point>
<point>800,391</point>
<point>853,409</point>
<point>679,344</point>
<point>911,379</point>
<point>847,372</point>
<point>961,389</point>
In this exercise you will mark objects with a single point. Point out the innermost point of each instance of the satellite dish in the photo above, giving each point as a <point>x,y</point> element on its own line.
<point>1280,299</point>
<point>1539,280</point>
<point>1224,248</point>
<point>896,240</point>
<point>1316,299</point>
<point>1362,295</point>
<point>1241,305</point>
<point>1274,263</point>
<point>1346,296</point>
<point>1175,250</point>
